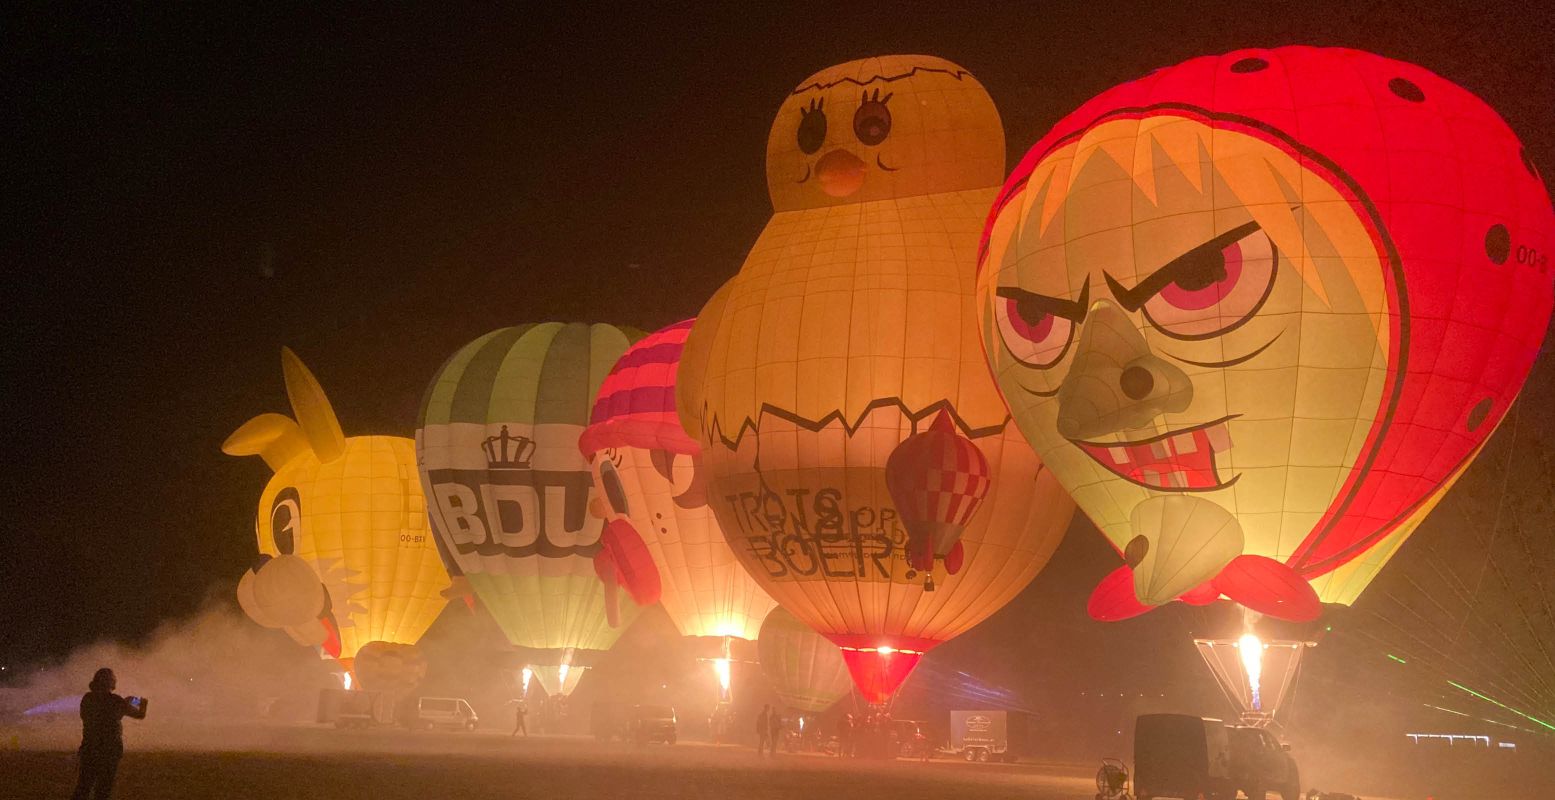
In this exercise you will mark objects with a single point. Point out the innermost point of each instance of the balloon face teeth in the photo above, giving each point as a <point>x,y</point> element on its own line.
<point>1182,460</point>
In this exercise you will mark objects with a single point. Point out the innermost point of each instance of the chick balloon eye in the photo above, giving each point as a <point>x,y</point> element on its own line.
<point>872,121</point>
<point>812,126</point>
<point>1217,290</point>
<point>285,518</point>
<point>1035,337</point>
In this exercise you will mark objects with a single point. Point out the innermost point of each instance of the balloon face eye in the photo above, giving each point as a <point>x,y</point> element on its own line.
<point>1035,334</point>
<point>286,520</point>
<point>872,121</point>
<point>1213,289</point>
<point>812,126</point>
<point>615,492</point>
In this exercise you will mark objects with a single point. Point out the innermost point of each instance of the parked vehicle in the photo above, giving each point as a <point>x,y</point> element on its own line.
<point>653,724</point>
<point>990,735</point>
<point>1260,763</point>
<point>427,713</point>
<point>1181,756</point>
<point>356,709</point>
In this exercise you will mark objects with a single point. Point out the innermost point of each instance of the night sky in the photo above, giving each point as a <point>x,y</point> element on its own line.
<point>188,191</point>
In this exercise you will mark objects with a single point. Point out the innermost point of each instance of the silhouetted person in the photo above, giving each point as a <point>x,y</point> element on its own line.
<point>102,736</point>
<point>774,730</point>
<point>845,732</point>
<point>763,732</point>
<point>518,721</point>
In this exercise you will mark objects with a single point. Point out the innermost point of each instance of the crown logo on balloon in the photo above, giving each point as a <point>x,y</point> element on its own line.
<point>506,451</point>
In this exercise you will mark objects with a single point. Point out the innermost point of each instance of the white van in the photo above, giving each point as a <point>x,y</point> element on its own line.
<point>442,712</point>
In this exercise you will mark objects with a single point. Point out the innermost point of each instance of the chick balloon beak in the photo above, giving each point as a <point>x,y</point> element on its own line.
<point>841,173</point>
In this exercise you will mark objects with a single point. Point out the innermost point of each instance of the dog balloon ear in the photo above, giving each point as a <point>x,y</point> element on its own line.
<point>314,414</point>
<point>273,437</point>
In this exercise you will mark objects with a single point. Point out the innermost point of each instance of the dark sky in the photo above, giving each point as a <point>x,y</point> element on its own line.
<point>413,178</point>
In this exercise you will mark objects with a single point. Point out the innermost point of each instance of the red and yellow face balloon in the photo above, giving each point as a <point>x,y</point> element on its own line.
<point>1259,311</point>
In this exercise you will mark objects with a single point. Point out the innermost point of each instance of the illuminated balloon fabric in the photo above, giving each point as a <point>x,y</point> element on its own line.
<point>805,669</point>
<point>645,469</point>
<point>850,327</point>
<point>509,491</point>
<point>1291,290</point>
<point>345,554</point>
<point>937,480</point>
<point>381,666</point>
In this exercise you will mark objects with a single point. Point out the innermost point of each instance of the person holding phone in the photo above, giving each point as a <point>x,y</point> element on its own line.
<point>102,735</point>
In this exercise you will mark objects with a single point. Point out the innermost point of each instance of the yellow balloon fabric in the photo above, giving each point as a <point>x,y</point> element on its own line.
<point>850,327</point>
<point>355,524</point>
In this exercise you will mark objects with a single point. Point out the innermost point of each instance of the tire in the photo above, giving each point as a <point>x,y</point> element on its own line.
<point>969,755</point>
<point>1292,790</point>
<point>670,740</point>
<point>1256,793</point>
<point>982,756</point>
<point>469,727</point>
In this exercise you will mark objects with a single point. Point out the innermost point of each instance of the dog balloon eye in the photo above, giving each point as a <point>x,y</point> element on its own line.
<point>615,492</point>
<point>286,520</point>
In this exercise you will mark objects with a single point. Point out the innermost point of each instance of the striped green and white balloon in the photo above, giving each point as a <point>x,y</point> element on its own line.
<point>508,490</point>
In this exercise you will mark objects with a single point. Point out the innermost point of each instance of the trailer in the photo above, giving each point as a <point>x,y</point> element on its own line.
<point>1001,735</point>
<point>357,709</point>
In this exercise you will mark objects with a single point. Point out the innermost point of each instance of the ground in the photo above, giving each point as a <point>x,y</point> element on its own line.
<point>282,763</point>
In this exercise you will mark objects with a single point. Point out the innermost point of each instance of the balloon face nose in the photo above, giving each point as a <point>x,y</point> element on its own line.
<point>1136,382</point>
<point>841,173</point>
<point>1115,382</point>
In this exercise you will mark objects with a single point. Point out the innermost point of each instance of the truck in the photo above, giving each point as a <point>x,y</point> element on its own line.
<point>356,709</point>
<point>993,735</point>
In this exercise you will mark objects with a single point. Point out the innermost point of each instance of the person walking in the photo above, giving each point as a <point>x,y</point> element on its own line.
<point>845,731</point>
<point>102,735</point>
<point>774,730</point>
<point>762,731</point>
<point>518,720</point>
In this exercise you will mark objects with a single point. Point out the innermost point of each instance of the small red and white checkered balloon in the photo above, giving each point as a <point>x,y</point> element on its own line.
<point>937,479</point>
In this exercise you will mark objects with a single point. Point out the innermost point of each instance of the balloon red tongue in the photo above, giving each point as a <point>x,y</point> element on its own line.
<point>634,565</point>
<point>1268,587</point>
<point>605,569</point>
<point>1113,599</point>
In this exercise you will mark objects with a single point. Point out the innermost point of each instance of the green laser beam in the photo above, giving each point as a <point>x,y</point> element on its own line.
<point>1496,702</point>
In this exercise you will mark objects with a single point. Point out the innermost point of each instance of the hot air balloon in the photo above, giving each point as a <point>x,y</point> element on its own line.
<point>847,331</point>
<point>346,558</point>
<point>805,669</point>
<point>510,493</point>
<point>645,468</point>
<point>938,480</point>
<point>1258,312</point>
